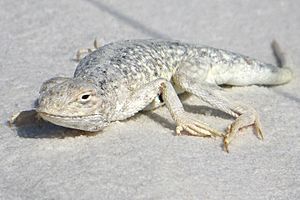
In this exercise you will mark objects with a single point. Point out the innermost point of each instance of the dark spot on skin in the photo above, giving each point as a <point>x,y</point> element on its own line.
<point>129,49</point>
<point>102,84</point>
<point>125,71</point>
<point>176,44</point>
<point>138,68</point>
<point>203,53</point>
<point>248,61</point>
<point>116,60</point>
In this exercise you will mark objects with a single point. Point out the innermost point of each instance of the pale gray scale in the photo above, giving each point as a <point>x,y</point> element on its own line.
<point>148,60</point>
<point>156,63</point>
<point>167,59</point>
<point>214,55</point>
<point>139,66</point>
<point>237,60</point>
<point>149,57</point>
<point>131,61</point>
<point>101,74</point>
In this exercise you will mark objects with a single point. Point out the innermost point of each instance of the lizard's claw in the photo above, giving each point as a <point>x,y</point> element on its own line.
<point>244,120</point>
<point>258,129</point>
<point>196,128</point>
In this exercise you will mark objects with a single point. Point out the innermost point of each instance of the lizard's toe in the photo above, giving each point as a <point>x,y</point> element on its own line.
<point>196,128</point>
<point>246,119</point>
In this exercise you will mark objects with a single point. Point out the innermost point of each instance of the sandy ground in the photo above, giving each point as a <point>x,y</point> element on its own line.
<point>141,158</point>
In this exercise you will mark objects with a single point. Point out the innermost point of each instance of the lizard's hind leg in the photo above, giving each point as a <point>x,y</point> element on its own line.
<point>245,116</point>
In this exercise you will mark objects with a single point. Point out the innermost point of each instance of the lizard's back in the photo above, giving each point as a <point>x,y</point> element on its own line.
<point>133,62</point>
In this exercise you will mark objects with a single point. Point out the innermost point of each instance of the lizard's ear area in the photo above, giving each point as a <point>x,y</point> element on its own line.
<point>51,83</point>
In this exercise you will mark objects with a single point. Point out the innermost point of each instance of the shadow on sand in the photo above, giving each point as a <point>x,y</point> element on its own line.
<point>29,125</point>
<point>128,20</point>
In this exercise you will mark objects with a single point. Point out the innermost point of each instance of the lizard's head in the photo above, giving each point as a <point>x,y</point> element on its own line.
<point>72,103</point>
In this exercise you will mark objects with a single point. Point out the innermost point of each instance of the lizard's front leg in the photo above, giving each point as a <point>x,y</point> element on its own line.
<point>245,115</point>
<point>184,121</point>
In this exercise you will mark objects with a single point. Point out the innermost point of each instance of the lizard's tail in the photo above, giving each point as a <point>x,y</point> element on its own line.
<point>284,73</point>
<point>252,71</point>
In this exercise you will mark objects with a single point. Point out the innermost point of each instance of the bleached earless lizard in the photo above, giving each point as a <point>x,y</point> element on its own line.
<point>116,81</point>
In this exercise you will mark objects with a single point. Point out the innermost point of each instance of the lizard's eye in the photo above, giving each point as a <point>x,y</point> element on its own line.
<point>85,97</point>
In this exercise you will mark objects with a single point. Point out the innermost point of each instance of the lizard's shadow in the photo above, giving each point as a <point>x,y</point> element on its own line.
<point>189,108</point>
<point>206,110</point>
<point>29,125</point>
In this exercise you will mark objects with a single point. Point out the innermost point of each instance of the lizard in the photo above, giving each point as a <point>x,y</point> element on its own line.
<point>117,80</point>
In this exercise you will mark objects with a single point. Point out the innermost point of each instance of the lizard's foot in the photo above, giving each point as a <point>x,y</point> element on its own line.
<point>248,118</point>
<point>81,52</point>
<point>192,126</point>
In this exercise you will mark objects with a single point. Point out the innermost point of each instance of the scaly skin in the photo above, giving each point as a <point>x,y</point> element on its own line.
<point>120,79</point>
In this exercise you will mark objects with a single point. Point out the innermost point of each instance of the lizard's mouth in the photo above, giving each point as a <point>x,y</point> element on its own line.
<point>94,122</point>
<point>65,116</point>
